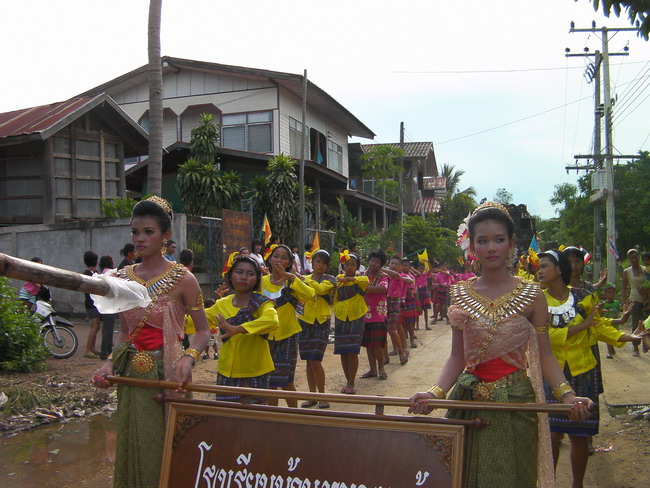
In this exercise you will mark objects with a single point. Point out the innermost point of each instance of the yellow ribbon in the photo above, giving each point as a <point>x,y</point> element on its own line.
<point>344,256</point>
<point>269,251</point>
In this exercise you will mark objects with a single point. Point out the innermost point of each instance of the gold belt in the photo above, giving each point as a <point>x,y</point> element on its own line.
<point>143,360</point>
<point>482,391</point>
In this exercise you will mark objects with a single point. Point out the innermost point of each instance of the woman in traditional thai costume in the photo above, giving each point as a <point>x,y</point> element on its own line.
<point>245,318</point>
<point>288,292</point>
<point>149,345</point>
<point>500,350</point>
<point>349,312</point>
<point>574,324</point>
<point>315,324</point>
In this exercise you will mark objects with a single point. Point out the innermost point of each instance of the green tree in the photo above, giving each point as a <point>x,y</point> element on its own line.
<point>637,11</point>
<point>380,165</point>
<point>632,181</point>
<point>154,166</point>
<point>453,210</point>
<point>203,143</point>
<point>281,197</point>
<point>503,196</point>
<point>575,225</point>
<point>21,342</point>
<point>439,241</point>
<point>453,177</point>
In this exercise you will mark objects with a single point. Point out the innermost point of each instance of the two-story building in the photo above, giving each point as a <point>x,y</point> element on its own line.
<point>259,113</point>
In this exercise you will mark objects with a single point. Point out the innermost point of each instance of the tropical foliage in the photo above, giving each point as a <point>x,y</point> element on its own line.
<point>574,224</point>
<point>380,165</point>
<point>21,343</point>
<point>115,208</point>
<point>637,11</point>
<point>202,186</point>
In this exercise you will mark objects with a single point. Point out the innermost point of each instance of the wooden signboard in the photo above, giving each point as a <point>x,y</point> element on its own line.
<point>218,445</point>
<point>235,231</point>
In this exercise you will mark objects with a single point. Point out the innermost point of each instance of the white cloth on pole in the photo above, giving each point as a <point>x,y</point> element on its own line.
<point>123,295</point>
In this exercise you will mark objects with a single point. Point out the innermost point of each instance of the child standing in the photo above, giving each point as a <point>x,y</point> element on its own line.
<point>410,305</point>
<point>375,331</point>
<point>424,295</point>
<point>315,323</point>
<point>394,300</point>
<point>245,317</point>
<point>288,292</point>
<point>349,311</point>
<point>611,310</point>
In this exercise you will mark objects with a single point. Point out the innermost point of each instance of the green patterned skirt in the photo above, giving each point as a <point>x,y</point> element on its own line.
<point>140,424</point>
<point>503,453</point>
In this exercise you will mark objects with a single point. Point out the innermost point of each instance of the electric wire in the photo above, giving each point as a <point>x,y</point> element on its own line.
<point>635,81</point>
<point>618,117</point>
<point>634,109</point>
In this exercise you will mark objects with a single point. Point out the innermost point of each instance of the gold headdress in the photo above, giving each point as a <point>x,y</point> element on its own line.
<point>161,202</point>
<point>485,205</point>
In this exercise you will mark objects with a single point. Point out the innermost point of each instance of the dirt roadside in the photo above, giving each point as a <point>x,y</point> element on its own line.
<point>621,447</point>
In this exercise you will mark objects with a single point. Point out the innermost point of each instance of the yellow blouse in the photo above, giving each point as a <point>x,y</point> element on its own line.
<point>245,355</point>
<point>286,312</point>
<point>576,350</point>
<point>318,308</point>
<point>355,307</point>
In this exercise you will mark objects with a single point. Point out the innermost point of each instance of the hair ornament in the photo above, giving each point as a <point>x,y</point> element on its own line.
<point>496,205</point>
<point>161,202</point>
<point>344,256</point>
<point>269,251</point>
<point>229,263</point>
<point>554,254</point>
<point>463,236</point>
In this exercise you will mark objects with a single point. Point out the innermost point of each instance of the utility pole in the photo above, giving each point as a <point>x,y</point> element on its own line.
<point>301,177</point>
<point>606,193</point>
<point>401,187</point>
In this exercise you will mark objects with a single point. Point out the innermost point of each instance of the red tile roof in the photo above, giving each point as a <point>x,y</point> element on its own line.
<point>434,183</point>
<point>430,204</point>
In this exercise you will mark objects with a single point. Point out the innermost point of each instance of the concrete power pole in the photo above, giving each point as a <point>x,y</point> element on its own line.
<point>607,193</point>
<point>401,192</point>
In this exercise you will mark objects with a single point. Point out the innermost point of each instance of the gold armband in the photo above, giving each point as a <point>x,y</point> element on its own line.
<point>199,303</point>
<point>194,354</point>
<point>561,391</point>
<point>542,330</point>
<point>437,392</point>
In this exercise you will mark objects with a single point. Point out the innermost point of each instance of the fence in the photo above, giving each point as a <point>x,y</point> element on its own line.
<point>204,239</point>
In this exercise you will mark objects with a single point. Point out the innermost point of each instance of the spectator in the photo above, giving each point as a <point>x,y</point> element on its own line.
<point>170,249</point>
<point>90,260</point>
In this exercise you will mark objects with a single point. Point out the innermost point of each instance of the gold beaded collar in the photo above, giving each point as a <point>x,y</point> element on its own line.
<point>481,308</point>
<point>158,285</point>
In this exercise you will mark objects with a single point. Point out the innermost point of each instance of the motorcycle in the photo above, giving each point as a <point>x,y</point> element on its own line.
<point>58,336</point>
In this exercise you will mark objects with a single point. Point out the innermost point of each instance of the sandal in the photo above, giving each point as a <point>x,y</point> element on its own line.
<point>91,355</point>
<point>403,360</point>
<point>308,404</point>
<point>348,391</point>
<point>393,353</point>
<point>323,405</point>
<point>368,375</point>
<point>383,376</point>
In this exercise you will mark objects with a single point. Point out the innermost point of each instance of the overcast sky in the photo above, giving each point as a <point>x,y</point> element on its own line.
<point>462,75</point>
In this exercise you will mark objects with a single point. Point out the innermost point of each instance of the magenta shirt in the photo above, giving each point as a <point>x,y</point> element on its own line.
<point>445,279</point>
<point>421,280</point>
<point>396,287</point>
<point>376,301</point>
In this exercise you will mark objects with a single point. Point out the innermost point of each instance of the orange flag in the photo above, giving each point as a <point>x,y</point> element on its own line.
<point>315,245</point>
<point>266,228</point>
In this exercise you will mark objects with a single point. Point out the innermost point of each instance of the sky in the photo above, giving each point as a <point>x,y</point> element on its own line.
<point>487,82</point>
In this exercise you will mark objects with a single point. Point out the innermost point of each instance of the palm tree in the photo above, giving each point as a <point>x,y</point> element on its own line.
<point>154,169</point>
<point>453,180</point>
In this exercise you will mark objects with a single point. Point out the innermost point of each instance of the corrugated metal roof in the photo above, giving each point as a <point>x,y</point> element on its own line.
<point>411,149</point>
<point>434,183</point>
<point>430,204</point>
<point>38,119</point>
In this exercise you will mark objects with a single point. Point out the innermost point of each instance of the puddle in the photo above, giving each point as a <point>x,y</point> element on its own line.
<point>616,410</point>
<point>74,454</point>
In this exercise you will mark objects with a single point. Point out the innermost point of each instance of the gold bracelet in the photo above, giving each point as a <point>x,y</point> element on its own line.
<point>561,391</point>
<point>110,357</point>
<point>437,392</point>
<point>194,354</point>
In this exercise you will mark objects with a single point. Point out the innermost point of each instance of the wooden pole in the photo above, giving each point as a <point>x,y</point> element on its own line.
<point>337,398</point>
<point>21,269</point>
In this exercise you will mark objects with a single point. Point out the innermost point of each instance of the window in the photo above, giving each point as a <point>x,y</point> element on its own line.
<point>334,156</point>
<point>248,132</point>
<point>295,136</point>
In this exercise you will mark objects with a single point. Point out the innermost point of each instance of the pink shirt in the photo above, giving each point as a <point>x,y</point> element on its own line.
<point>397,287</point>
<point>421,280</point>
<point>445,279</point>
<point>376,301</point>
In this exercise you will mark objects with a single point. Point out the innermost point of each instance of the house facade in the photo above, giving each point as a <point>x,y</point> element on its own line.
<point>259,114</point>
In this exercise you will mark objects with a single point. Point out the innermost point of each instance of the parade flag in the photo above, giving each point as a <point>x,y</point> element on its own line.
<point>315,246</point>
<point>266,230</point>
<point>587,256</point>
<point>423,257</point>
<point>460,260</point>
<point>533,246</point>
<point>612,248</point>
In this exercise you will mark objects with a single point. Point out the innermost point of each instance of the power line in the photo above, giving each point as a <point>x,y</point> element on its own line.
<point>512,122</point>
<point>514,70</point>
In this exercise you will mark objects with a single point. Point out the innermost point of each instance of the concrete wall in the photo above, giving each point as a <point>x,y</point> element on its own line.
<point>62,245</point>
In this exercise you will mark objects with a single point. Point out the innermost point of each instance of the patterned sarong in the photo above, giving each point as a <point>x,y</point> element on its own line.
<point>285,356</point>
<point>348,335</point>
<point>312,340</point>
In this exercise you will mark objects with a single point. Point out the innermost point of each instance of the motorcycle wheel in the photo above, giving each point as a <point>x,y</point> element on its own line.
<point>66,345</point>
